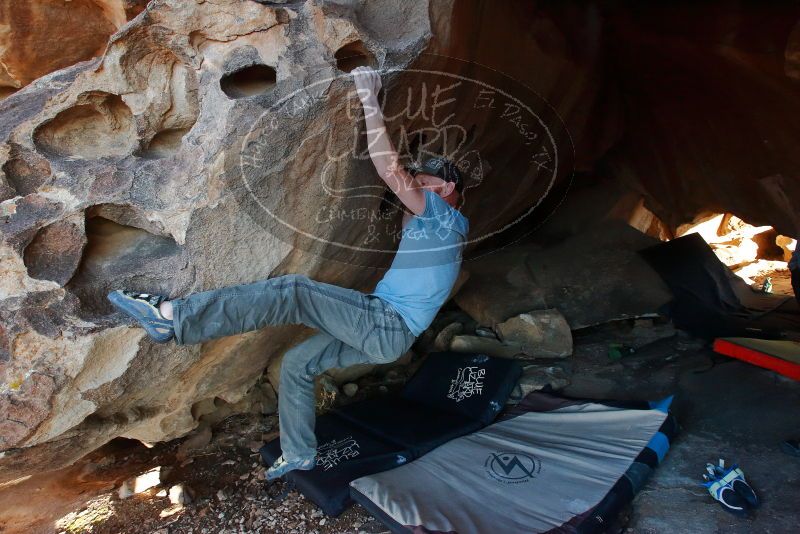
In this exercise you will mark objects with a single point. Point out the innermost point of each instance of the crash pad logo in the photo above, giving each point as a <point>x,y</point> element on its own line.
<point>468,382</point>
<point>334,452</point>
<point>512,467</point>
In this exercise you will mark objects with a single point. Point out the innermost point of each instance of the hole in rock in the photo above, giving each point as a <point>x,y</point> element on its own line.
<point>249,81</point>
<point>123,257</point>
<point>26,171</point>
<point>101,125</point>
<point>126,215</point>
<point>354,55</point>
<point>55,251</point>
<point>164,143</point>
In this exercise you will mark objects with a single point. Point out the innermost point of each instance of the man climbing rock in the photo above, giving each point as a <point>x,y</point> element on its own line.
<point>353,327</point>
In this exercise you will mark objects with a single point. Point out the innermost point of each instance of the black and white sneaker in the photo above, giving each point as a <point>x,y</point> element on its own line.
<point>144,308</point>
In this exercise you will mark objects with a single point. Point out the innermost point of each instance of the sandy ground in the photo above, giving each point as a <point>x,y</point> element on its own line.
<point>224,478</point>
<point>777,271</point>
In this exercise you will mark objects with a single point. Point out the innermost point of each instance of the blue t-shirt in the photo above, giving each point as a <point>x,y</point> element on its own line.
<point>426,264</point>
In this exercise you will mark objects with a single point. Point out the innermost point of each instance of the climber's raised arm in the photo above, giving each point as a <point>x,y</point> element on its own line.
<point>381,150</point>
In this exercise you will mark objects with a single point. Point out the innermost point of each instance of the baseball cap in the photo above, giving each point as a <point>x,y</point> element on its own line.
<point>442,168</point>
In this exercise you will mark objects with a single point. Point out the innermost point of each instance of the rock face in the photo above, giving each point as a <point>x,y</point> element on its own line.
<point>592,278</point>
<point>40,37</point>
<point>117,172</point>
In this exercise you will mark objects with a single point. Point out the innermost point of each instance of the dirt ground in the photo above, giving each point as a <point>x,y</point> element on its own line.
<point>757,272</point>
<point>225,481</point>
<point>229,494</point>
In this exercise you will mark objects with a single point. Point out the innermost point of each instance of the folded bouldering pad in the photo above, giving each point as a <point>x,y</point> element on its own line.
<point>450,395</point>
<point>781,356</point>
<point>710,300</point>
<point>551,464</point>
<point>475,386</point>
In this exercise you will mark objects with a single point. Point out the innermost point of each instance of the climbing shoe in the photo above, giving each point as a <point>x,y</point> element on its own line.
<point>735,476</point>
<point>144,308</point>
<point>730,489</point>
<point>282,466</point>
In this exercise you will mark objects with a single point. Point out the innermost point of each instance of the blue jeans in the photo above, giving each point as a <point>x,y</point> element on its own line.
<point>353,328</point>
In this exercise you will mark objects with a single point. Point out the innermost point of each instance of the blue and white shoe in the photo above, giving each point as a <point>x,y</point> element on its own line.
<point>730,489</point>
<point>734,476</point>
<point>144,308</point>
<point>281,466</point>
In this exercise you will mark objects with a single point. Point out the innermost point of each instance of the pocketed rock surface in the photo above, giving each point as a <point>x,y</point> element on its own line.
<point>120,172</point>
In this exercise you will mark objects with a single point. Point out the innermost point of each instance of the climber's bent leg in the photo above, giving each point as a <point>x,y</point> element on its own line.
<point>296,400</point>
<point>361,321</point>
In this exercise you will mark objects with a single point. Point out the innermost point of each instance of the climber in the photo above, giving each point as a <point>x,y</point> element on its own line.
<point>353,327</point>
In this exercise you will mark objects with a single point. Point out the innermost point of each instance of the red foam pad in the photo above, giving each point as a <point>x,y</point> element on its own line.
<point>756,357</point>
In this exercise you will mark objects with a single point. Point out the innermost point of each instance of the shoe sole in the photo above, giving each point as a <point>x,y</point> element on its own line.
<point>138,312</point>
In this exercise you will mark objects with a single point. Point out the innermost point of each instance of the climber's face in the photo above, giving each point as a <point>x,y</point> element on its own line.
<point>435,184</point>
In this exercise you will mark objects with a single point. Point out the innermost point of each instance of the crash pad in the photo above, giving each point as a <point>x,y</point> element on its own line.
<point>781,356</point>
<point>551,464</point>
<point>450,395</point>
<point>475,386</point>
<point>414,426</point>
<point>344,453</point>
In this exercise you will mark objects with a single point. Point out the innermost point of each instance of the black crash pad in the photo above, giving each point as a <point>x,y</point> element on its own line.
<point>451,395</point>
<point>414,426</point>
<point>710,300</point>
<point>344,453</point>
<point>475,386</point>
